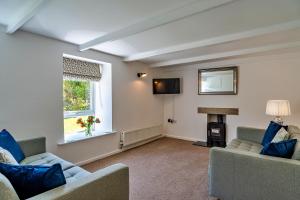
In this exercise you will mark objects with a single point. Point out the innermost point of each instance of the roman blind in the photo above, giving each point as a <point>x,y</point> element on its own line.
<point>79,69</point>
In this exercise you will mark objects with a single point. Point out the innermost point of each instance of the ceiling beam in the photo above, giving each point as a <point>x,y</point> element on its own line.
<point>228,54</point>
<point>24,15</point>
<point>215,40</point>
<point>185,9</point>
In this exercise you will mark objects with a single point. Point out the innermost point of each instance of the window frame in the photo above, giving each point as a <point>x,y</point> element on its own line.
<point>79,113</point>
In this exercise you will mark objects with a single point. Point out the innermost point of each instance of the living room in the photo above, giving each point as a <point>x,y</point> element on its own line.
<point>117,53</point>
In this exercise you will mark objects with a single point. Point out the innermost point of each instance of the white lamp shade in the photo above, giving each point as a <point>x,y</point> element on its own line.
<point>278,108</point>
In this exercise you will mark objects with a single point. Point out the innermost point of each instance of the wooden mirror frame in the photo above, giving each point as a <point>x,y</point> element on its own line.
<point>235,80</point>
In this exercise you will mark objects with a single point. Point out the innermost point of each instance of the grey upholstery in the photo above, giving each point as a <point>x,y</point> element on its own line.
<point>244,145</point>
<point>111,183</point>
<point>243,174</point>
<point>6,189</point>
<point>240,175</point>
<point>33,146</point>
<point>46,159</point>
<point>250,134</point>
<point>295,134</point>
<point>71,171</point>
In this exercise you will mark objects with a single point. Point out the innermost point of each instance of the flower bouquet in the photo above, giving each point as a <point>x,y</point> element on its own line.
<point>87,124</point>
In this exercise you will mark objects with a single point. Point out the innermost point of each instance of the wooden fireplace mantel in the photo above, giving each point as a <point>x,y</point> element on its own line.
<point>218,111</point>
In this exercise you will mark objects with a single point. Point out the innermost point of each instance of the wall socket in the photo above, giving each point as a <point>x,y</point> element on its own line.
<point>172,121</point>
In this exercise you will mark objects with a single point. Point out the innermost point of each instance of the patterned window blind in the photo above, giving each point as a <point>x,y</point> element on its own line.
<point>79,69</point>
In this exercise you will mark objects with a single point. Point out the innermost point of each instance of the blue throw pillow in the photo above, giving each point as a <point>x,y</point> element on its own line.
<point>283,149</point>
<point>9,143</point>
<point>271,131</point>
<point>31,180</point>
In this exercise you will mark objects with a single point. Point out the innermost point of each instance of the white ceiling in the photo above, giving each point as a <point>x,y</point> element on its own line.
<point>80,21</point>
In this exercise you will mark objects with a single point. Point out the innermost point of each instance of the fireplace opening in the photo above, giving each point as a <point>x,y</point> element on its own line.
<point>216,125</point>
<point>216,131</point>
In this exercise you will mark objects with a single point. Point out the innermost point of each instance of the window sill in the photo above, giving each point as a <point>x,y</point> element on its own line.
<point>81,137</point>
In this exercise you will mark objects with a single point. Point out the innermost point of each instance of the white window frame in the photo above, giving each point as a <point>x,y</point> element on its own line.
<point>70,114</point>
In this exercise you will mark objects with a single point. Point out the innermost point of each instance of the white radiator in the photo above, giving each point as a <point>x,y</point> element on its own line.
<point>140,136</point>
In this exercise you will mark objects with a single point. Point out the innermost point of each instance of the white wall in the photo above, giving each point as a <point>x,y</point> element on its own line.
<point>260,78</point>
<point>31,102</point>
<point>31,94</point>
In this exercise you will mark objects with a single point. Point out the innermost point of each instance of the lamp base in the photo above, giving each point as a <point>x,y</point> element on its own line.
<point>278,120</point>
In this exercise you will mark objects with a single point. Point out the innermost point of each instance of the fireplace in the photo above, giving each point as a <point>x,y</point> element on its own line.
<point>216,125</point>
<point>216,134</point>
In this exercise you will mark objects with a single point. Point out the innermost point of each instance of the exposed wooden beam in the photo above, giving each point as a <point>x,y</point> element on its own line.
<point>227,54</point>
<point>216,40</point>
<point>185,9</point>
<point>24,15</point>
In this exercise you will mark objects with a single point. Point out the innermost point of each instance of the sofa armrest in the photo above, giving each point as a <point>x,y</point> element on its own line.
<point>110,183</point>
<point>250,134</point>
<point>33,146</point>
<point>235,174</point>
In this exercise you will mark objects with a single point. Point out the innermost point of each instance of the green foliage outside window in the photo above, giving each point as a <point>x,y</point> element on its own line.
<point>76,95</point>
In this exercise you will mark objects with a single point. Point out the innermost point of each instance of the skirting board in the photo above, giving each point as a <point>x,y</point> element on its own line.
<point>184,138</point>
<point>142,142</point>
<point>84,162</point>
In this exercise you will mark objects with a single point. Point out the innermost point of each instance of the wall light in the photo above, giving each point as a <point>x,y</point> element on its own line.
<point>141,75</point>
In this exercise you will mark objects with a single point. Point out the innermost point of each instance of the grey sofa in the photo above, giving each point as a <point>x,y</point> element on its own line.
<point>111,183</point>
<point>239,172</point>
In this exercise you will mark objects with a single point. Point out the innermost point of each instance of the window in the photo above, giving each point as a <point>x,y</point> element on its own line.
<point>79,102</point>
<point>80,86</point>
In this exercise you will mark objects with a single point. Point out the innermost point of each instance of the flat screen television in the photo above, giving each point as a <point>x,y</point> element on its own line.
<point>166,86</point>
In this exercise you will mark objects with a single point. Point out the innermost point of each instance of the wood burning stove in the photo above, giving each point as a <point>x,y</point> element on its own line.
<point>216,125</point>
<point>216,134</point>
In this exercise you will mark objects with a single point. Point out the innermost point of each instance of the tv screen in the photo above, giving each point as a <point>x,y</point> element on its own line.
<point>166,86</point>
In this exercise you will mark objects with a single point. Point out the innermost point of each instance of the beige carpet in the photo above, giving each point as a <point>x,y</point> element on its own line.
<point>166,169</point>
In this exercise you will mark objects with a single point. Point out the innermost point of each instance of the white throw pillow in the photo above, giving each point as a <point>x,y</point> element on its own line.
<point>6,157</point>
<point>281,135</point>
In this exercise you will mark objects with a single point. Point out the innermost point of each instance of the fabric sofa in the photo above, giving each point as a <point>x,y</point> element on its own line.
<point>239,172</point>
<point>111,183</point>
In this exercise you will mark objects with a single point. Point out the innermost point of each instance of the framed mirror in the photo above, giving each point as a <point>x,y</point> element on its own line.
<point>218,81</point>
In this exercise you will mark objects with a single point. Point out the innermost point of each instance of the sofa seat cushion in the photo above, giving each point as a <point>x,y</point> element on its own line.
<point>46,159</point>
<point>244,145</point>
<point>71,171</point>
<point>75,173</point>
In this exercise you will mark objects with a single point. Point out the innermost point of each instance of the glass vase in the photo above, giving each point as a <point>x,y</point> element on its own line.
<point>88,131</point>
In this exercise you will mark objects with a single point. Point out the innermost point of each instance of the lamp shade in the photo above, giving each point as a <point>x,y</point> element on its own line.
<point>278,108</point>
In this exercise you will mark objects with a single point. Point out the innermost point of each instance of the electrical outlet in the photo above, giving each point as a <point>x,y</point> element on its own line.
<point>172,121</point>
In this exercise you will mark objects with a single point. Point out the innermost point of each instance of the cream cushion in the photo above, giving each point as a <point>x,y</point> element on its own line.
<point>6,157</point>
<point>281,135</point>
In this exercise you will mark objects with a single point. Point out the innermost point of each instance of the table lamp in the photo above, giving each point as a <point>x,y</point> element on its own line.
<point>278,108</point>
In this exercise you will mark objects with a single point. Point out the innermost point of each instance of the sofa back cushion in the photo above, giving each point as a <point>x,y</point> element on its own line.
<point>281,135</point>
<point>7,191</point>
<point>295,134</point>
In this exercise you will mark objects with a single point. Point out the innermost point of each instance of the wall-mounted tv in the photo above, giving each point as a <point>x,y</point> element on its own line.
<point>166,86</point>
